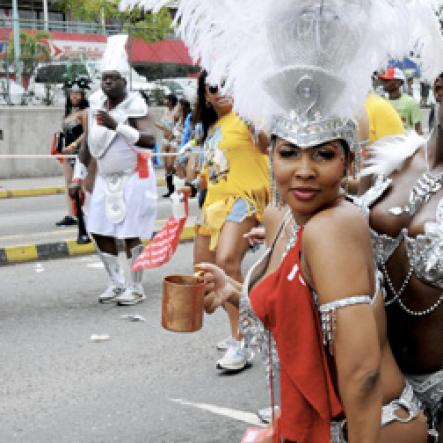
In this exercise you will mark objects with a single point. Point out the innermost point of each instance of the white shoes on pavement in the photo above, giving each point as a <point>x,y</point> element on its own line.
<point>131,296</point>
<point>236,358</point>
<point>111,293</point>
<point>126,292</point>
<point>223,345</point>
<point>116,276</point>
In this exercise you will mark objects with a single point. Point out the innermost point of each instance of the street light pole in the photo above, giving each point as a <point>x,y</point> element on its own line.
<point>103,20</point>
<point>16,37</point>
<point>45,15</point>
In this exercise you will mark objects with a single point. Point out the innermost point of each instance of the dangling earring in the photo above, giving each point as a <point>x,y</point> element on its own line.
<point>276,199</point>
<point>346,175</point>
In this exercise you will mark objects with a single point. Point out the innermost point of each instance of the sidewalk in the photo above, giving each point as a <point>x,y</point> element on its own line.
<point>31,187</point>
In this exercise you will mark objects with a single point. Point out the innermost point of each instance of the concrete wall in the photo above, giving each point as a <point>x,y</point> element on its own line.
<point>29,130</point>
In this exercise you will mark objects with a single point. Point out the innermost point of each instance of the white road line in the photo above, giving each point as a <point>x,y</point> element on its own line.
<point>246,417</point>
<point>97,265</point>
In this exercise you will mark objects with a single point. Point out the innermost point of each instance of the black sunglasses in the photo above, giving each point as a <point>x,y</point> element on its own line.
<point>215,89</point>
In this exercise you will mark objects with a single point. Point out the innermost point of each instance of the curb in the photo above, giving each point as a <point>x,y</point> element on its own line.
<point>62,249</point>
<point>39,192</point>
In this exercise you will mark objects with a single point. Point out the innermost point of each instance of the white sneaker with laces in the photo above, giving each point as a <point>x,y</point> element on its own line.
<point>131,296</point>
<point>236,357</point>
<point>223,345</point>
<point>111,293</point>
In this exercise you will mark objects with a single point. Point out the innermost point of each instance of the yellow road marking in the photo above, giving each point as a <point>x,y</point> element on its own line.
<point>75,249</point>
<point>21,253</point>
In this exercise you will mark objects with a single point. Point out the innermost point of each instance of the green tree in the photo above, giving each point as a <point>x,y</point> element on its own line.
<point>147,26</point>
<point>33,50</point>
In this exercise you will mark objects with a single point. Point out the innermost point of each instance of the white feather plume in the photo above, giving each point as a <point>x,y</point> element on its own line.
<point>389,153</point>
<point>237,41</point>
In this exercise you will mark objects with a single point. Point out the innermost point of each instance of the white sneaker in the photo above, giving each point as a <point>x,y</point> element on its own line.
<point>111,293</point>
<point>131,296</point>
<point>236,357</point>
<point>223,345</point>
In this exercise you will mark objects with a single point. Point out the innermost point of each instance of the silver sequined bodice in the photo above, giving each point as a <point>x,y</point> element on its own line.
<point>425,252</point>
<point>252,329</point>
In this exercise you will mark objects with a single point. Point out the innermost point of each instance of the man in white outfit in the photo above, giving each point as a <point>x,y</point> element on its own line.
<point>124,201</point>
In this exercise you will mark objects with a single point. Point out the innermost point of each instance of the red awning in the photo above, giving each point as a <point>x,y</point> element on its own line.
<point>139,51</point>
<point>165,51</point>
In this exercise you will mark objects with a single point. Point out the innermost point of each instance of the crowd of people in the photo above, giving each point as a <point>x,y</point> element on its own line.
<point>345,302</point>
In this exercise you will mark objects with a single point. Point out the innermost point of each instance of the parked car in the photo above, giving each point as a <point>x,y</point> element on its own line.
<point>188,85</point>
<point>11,93</point>
<point>172,86</point>
<point>47,84</point>
<point>182,87</point>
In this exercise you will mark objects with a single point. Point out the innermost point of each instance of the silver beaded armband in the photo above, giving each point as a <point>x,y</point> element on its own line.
<point>328,317</point>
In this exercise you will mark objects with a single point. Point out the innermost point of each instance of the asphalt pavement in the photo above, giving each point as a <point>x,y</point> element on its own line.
<point>29,208</point>
<point>144,384</point>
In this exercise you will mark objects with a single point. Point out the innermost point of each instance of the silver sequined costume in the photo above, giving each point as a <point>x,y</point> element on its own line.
<point>425,255</point>
<point>256,336</point>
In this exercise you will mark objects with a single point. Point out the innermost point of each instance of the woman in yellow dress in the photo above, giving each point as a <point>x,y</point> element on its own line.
<point>236,176</point>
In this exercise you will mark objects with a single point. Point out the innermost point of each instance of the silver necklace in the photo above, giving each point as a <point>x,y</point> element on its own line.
<point>292,239</point>
<point>427,185</point>
<point>398,294</point>
<point>430,310</point>
<point>395,293</point>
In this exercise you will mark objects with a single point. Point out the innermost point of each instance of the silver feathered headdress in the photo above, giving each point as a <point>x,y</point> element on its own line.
<point>302,68</point>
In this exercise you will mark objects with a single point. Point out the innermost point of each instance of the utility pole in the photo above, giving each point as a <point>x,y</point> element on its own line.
<point>45,15</point>
<point>103,20</point>
<point>16,37</point>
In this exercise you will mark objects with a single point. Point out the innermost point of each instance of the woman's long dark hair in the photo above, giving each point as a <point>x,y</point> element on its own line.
<point>185,108</point>
<point>203,112</point>
<point>431,119</point>
<point>84,103</point>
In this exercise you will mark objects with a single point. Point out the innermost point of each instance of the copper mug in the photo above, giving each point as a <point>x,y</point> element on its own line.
<point>182,305</point>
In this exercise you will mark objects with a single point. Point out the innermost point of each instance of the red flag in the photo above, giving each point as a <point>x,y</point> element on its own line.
<point>164,244</point>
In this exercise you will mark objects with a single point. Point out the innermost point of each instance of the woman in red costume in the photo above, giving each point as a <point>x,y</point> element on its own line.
<point>301,69</point>
<point>323,292</point>
<point>313,302</point>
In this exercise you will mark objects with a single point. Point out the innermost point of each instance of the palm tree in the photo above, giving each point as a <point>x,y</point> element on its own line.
<point>33,49</point>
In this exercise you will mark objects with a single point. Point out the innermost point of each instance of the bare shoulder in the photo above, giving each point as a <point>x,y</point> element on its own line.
<point>343,221</point>
<point>338,254</point>
<point>83,116</point>
<point>272,219</point>
<point>339,234</point>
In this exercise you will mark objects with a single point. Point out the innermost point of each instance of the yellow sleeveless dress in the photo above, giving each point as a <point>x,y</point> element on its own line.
<point>234,168</point>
